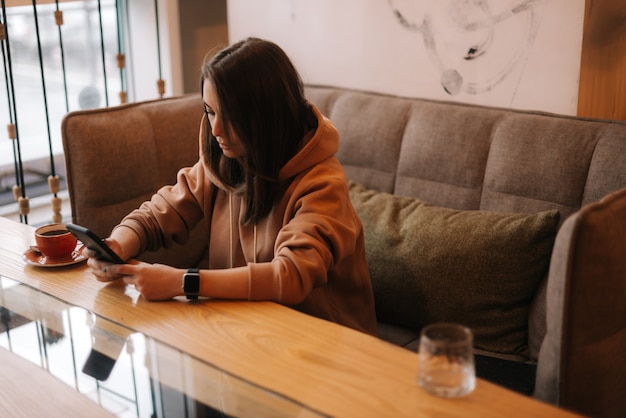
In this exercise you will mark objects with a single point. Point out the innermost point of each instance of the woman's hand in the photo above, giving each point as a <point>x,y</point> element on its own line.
<point>100,268</point>
<point>153,281</point>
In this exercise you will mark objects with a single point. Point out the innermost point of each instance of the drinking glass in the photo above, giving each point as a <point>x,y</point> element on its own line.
<point>446,360</point>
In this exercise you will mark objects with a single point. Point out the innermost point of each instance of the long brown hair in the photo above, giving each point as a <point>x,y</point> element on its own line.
<point>262,102</point>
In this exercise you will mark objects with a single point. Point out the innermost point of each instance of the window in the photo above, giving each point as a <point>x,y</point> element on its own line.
<point>83,70</point>
<point>75,82</point>
<point>74,73</point>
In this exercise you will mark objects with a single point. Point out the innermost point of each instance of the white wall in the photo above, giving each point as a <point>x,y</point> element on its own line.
<point>527,51</point>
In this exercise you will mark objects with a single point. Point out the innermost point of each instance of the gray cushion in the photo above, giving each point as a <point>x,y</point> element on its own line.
<point>431,264</point>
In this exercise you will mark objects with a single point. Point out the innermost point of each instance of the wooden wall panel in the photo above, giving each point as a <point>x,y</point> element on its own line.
<point>602,87</point>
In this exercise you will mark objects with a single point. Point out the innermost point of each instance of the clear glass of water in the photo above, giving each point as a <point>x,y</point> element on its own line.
<point>446,360</point>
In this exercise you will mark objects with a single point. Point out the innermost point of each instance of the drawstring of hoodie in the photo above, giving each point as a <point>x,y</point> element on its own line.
<point>231,238</point>
<point>230,225</point>
<point>254,245</point>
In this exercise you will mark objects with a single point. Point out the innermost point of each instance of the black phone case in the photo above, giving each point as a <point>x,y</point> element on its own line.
<point>94,243</point>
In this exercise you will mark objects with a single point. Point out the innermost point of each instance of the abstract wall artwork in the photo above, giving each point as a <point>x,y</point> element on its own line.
<point>460,36</point>
<point>510,53</point>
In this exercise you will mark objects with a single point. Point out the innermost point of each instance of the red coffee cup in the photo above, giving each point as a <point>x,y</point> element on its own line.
<point>54,241</point>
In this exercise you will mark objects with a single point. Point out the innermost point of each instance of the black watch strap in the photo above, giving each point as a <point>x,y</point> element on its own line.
<point>191,283</point>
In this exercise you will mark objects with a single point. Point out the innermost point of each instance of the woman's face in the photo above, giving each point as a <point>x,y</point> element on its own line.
<point>231,147</point>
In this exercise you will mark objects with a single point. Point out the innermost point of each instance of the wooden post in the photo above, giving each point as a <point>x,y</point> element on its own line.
<point>602,87</point>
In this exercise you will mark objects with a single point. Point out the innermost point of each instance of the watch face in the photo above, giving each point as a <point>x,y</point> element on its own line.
<point>192,283</point>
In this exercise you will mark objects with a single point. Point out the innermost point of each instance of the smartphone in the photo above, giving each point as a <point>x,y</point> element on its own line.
<point>94,243</point>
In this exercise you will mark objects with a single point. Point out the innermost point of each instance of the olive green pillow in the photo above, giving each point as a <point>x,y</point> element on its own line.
<point>478,268</point>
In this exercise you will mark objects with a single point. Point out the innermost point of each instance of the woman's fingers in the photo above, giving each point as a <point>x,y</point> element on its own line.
<point>103,270</point>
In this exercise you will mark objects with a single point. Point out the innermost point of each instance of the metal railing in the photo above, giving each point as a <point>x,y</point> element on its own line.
<point>58,57</point>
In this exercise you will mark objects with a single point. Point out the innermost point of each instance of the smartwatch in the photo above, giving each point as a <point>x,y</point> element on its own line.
<point>191,283</point>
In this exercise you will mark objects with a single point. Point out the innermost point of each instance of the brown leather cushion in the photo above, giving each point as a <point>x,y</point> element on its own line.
<point>582,364</point>
<point>117,157</point>
<point>479,268</point>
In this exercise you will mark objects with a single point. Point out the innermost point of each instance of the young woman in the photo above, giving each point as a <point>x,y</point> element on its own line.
<point>281,225</point>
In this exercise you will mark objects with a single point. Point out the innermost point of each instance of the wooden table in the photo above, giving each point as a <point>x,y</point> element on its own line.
<point>27,390</point>
<point>329,369</point>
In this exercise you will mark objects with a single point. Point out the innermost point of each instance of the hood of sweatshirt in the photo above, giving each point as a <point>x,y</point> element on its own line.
<point>322,145</point>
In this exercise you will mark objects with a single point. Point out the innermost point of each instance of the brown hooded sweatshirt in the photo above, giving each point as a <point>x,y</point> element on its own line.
<point>308,253</point>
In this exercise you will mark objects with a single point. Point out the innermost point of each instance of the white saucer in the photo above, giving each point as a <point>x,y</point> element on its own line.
<point>35,258</point>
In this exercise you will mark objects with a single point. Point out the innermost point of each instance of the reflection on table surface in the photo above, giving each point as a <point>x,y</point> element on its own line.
<point>124,371</point>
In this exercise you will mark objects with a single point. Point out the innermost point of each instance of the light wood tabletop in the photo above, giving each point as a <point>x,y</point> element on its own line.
<point>26,390</point>
<point>330,369</point>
